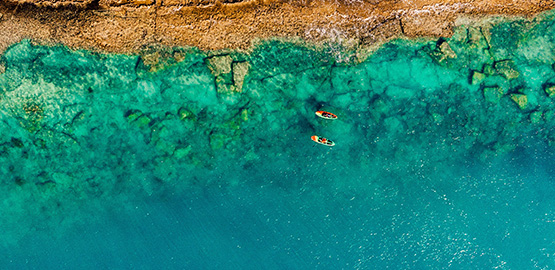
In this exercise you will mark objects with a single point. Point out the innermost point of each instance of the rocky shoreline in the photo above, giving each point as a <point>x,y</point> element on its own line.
<point>130,26</point>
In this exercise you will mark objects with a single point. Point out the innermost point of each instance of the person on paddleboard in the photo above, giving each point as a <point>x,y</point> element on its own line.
<point>326,115</point>
<point>322,140</point>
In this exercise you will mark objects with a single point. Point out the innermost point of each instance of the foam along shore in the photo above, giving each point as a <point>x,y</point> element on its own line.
<point>79,126</point>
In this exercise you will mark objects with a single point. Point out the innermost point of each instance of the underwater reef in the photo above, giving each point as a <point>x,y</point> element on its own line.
<point>79,127</point>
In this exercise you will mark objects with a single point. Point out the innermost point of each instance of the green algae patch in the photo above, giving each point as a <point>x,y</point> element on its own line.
<point>80,126</point>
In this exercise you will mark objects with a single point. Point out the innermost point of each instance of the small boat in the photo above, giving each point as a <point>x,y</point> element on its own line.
<point>326,115</point>
<point>322,140</point>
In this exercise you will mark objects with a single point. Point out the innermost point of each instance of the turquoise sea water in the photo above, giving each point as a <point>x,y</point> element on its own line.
<point>444,155</point>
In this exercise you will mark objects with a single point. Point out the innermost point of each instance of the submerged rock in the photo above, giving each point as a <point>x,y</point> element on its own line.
<point>442,51</point>
<point>152,60</point>
<point>493,94</point>
<point>19,181</point>
<point>478,48</point>
<point>536,117</point>
<point>521,100</point>
<point>229,77</point>
<point>142,121</point>
<point>240,69</point>
<point>17,142</point>
<point>438,118</point>
<point>185,114</point>
<point>477,77</point>
<point>506,69</point>
<point>164,146</point>
<point>182,152</point>
<point>219,65</point>
<point>34,114</point>
<point>132,115</point>
<point>550,90</point>
<point>489,70</point>
<point>245,115</point>
<point>224,86</point>
<point>46,188</point>
<point>445,48</point>
<point>219,141</point>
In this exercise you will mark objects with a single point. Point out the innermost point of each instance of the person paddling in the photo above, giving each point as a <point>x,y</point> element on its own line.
<point>322,140</point>
<point>326,115</point>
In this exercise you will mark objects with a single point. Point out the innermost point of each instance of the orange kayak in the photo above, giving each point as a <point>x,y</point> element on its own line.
<point>326,115</point>
<point>323,141</point>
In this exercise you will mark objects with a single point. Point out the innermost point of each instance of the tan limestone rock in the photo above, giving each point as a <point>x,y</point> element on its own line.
<point>521,100</point>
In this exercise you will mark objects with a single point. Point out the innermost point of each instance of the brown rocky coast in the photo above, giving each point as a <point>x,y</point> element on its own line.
<point>129,26</point>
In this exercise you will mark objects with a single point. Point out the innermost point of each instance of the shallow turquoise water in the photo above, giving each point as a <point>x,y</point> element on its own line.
<point>203,160</point>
